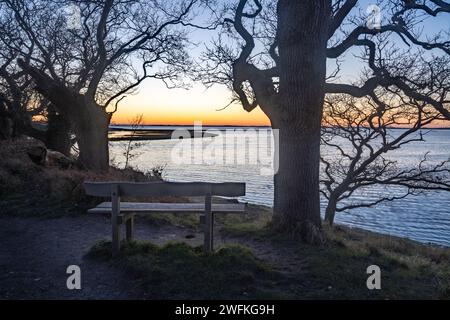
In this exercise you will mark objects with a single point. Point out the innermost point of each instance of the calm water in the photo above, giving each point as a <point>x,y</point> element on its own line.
<point>424,218</point>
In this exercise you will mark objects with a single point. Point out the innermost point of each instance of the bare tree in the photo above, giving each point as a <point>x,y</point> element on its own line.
<point>131,144</point>
<point>274,56</point>
<point>21,101</point>
<point>16,91</point>
<point>358,138</point>
<point>85,70</point>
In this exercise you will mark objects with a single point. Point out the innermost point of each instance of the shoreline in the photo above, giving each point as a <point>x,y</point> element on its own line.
<point>145,127</point>
<point>268,210</point>
<point>149,135</point>
<point>116,133</point>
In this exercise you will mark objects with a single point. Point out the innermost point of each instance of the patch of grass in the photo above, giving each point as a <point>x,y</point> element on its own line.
<point>190,221</point>
<point>250,223</point>
<point>178,271</point>
<point>253,224</point>
<point>337,269</point>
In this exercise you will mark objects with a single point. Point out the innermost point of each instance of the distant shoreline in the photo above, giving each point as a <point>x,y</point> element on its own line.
<point>145,127</point>
<point>164,132</point>
<point>122,127</point>
<point>149,135</point>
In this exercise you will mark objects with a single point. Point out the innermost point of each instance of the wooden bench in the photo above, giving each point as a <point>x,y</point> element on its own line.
<point>124,212</point>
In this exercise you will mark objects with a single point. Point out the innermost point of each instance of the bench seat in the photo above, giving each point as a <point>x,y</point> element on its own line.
<point>135,207</point>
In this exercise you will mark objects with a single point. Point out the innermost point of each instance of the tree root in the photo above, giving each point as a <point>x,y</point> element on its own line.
<point>306,232</point>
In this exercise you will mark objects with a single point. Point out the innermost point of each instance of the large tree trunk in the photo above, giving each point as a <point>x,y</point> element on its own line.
<point>6,123</point>
<point>6,127</point>
<point>302,39</point>
<point>91,126</point>
<point>58,132</point>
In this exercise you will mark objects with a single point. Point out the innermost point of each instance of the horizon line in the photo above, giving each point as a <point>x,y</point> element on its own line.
<point>243,125</point>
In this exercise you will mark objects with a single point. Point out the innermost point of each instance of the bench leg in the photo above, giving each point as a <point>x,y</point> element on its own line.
<point>129,226</point>
<point>115,237</point>
<point>115,204</point>
<point>209,226</point>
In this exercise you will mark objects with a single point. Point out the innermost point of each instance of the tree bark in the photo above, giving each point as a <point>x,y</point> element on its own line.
<point>58,132</point>
<point>91,126</point>
<point>330,211</point>
<point>302,38</point>
<point>6,127</point>
<point>6,123</point>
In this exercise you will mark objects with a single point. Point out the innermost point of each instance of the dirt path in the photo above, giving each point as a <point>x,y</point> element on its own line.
<point>35,254</point>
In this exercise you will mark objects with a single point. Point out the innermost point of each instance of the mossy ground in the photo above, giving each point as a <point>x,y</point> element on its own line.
<point>178,271</point>
<point>337,269</point>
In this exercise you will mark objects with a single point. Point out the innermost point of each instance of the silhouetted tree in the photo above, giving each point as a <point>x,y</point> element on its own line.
<point>16,90</point>
<point>86,52</point>
<point>131,145</point>
<point>21,101</point>
<point>359,138</point>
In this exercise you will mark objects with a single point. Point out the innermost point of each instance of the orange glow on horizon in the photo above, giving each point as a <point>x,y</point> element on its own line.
<point>156,116</point>
<point>162,106</point>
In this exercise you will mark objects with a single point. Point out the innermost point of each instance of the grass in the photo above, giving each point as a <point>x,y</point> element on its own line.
<point>337,270</point>
<point>190,221</point>
<point>178,271</point>
<point>253,222</point>
<point>410,270</point>
<point>255,217</point>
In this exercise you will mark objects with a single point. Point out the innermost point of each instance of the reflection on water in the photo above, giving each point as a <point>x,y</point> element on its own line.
<point>424,218</point>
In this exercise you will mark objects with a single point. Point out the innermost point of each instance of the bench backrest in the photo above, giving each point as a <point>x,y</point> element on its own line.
<point>161,188</point>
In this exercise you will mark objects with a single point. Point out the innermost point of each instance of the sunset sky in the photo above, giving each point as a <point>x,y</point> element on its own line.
<point>162,106</point>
